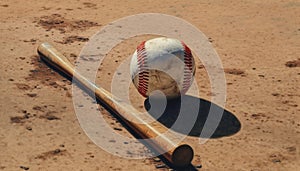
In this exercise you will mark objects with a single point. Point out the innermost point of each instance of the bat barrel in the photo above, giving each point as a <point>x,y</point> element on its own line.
<point>182,155</point>
<point>177,154</point>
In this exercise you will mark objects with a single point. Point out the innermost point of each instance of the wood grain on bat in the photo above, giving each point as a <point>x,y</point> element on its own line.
<point>179,154</point>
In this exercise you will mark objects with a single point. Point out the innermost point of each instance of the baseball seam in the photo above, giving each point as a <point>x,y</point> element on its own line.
<point>188,68</point>
<point>143,73</point>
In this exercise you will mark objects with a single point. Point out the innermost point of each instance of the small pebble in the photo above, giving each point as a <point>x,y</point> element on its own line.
<point>159,166</point>
<point>29,128</point>
<point>24,167</point>
<point>31,94</point>
<point>27,115</point>
<point>51,117</point>
<point>276,161</point>
<point>118,129</point>
<point>56,151</point>
<point>198,166</point>
<point>156,159</point>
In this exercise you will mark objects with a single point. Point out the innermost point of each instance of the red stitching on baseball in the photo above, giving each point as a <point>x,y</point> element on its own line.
<point>188,68</point>
<point>142,66</point>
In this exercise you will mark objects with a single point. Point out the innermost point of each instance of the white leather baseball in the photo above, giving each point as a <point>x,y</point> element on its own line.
<point>163,64</point>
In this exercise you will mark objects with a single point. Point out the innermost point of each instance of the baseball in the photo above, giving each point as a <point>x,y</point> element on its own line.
<point>164,65</point>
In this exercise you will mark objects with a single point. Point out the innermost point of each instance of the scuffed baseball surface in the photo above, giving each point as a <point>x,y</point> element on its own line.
<point>162,65</point>
<point>258,42</point>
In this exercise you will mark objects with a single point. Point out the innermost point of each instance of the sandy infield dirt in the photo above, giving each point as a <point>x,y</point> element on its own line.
<point>257,41</point>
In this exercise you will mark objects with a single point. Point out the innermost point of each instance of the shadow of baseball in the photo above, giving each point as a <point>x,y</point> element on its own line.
<point>227,126</point>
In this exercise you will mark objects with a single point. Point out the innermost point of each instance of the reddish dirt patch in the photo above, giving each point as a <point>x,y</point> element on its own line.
<point>294,63</point>
<point>23,86</point>
<point>90,5</point>
<point>49,117</point>
<point>72,39</point>
<point>58,22</point>
<point>20,119</point>
<point>52,153</point>
<point>45,75</point>
<point>258,115</point>
<point>46,113</point>
<point>277,158</point>
<point>32,41</point>
<point>234,71</point>
<point>31,94</point>
<point>42,71</point>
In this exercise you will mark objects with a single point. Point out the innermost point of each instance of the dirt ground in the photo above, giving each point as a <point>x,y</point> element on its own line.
<point>257,41</point>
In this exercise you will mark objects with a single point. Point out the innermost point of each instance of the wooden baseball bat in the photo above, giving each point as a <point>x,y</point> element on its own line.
<point>179,155</point>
